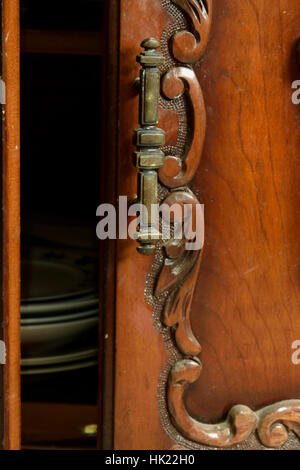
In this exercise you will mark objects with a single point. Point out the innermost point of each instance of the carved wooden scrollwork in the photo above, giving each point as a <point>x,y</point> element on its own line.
<point>180,171</point>
<point>188,47</point>
<point>238,426</point>
<point>272,423</point>
<point>180,269</point>
<point>172,279</point>
<point>276,420</point>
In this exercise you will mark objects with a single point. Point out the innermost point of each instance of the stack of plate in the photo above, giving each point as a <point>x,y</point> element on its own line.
<point>59,309</point>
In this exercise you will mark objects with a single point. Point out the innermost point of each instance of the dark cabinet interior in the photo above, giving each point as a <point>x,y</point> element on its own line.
<point>62,68</point>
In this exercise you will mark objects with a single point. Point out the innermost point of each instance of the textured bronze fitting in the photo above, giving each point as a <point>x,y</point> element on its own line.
<point>148,139</point>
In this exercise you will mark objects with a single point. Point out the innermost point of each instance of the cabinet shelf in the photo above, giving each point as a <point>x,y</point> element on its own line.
<point>38,41</point>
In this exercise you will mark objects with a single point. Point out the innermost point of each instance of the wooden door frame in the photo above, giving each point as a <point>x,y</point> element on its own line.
<point>113,427</point>
<point>11,400</point>
<point>109,194</point>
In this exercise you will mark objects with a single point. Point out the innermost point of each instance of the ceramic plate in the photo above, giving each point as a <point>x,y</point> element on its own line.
<point>46,339</point>
<point>60,358</point>
<point>56,279</point>
<point>47,281</point>
<point>73,305</point>
<point>61,368</point>
<point>59,318</point>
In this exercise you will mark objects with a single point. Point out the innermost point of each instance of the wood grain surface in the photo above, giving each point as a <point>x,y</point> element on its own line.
<point>11,229</point>
<point>140,354</point>
<point>245,311</point>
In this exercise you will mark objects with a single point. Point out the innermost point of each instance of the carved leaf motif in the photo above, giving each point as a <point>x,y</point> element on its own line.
<point>189,47</point>
<point>179,275</point>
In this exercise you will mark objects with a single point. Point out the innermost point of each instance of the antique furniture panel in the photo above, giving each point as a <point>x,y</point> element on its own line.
<point>245,311</point>
<point>224,318</point>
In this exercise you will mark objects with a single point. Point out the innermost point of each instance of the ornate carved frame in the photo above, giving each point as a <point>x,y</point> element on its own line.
<point>172,278</point>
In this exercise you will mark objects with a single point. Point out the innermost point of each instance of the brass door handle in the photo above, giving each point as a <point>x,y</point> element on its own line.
<point>148,139</point>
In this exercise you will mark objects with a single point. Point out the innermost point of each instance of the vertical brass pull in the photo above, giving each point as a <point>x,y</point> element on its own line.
<point>148,157</point>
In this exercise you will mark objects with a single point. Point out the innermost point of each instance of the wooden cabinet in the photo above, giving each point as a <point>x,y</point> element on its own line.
<point>239,299</point>
<point>197,349</point>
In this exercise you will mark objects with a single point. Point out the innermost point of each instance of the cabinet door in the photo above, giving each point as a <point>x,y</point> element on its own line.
<point>10,227</point>
<point>206,342</point>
